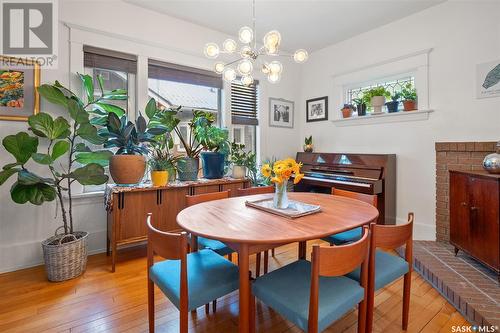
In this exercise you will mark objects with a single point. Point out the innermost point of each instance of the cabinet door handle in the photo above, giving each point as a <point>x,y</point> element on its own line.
<point>463,204</point>
<point>474,209</point>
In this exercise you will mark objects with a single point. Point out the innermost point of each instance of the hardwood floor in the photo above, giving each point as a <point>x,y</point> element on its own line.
<point>101,301</point>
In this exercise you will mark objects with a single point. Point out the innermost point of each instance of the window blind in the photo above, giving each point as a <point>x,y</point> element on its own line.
<point>106,59</point>
<point>178,73</point>
<point>244,104</point>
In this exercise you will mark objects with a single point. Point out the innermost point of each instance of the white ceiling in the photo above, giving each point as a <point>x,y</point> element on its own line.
<point>305,24</point>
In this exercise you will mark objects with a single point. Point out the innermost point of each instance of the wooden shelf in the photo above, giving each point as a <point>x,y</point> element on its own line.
<point>369,119</point>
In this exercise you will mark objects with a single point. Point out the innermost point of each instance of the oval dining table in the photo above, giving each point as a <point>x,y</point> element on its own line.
<point>249,230</point>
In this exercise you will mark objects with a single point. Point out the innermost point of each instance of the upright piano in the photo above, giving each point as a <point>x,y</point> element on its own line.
<point>363,173</point>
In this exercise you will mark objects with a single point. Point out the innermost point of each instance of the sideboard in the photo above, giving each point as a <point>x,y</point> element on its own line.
<point>475,215</point>
<point>127,208</point>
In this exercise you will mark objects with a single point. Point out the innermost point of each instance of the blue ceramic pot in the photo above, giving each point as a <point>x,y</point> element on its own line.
<point>392,106</point>
<point>213,164</point>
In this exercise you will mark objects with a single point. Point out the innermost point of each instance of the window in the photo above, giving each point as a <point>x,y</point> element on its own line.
<point>117,69</point>
<point>391,85</point>
<point>194,89</point>
<point>244,116</point>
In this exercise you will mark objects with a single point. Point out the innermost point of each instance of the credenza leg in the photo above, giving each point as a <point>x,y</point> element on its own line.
<point>456,250</point>
<point>113,258</point>
<point>108,244</point>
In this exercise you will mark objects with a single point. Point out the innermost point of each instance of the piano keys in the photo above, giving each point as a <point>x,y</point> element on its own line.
<point>363,173</point>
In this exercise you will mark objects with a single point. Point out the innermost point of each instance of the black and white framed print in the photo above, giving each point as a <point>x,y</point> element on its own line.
<point>317,109</point>
<point>280,112</point>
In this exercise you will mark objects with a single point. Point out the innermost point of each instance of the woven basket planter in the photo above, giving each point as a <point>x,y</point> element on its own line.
<point>65,259</point>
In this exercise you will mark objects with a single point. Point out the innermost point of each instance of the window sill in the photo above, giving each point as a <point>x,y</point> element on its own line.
<point>395,117</point>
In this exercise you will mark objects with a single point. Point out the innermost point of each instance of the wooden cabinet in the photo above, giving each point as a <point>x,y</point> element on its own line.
<point>128,208</point>
<point>475,215</point>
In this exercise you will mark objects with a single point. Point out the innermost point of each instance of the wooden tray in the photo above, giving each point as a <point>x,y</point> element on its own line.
<point>295,208</point>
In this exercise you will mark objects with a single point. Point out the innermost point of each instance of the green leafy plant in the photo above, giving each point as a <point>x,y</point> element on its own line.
<point>377,91</point>
<point>63,138</point>
<point>358,101</point>
<point>239,156</point>
<point>212,138</point>
<point>409,93</point>
<point>396,96</point>
<point>308,140</point>
<point>161,158</point>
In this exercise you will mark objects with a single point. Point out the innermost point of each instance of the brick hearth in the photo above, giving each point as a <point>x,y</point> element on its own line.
<point>454,156</point>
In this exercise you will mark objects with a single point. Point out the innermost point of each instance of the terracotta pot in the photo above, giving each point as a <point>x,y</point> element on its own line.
<point>409,105</point>
<point>346,112</point>
<point>239,171</point>
<point>127,169</point>
<point>308,148</point>
<point>159,178</point>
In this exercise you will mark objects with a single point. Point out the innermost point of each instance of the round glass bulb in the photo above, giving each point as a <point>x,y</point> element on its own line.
<point>272,41</point>
<point>247,80</point>
<point>275,67</point>
<point>229,74</point>
<point>229,45</point>
<point>245,52</point>
<point>245,35</point>
<point>274,77</point>
<point>219,67</point>
<point>211,50</point>
<point>245,67</point>
<point>300,56</point>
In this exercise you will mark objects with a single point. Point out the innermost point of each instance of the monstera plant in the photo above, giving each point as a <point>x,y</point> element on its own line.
<point>59,147</point>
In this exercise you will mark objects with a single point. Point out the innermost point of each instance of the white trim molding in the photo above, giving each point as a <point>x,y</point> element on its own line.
<point>395,117</point>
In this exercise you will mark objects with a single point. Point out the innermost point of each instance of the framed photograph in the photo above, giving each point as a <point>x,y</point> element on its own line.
<point>488,79</point>
<point>317,109</point>
<point>19,98</point>
<point>280,112</point>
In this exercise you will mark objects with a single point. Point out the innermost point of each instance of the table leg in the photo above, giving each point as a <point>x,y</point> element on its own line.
<point>194,243</point>
<point>302,250</point>
<point>244,302</point>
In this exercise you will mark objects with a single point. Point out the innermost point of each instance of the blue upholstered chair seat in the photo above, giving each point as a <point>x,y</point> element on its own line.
<point>209,276</point>
<point>345,237</point>
<point>388,267</point>
<point>287,291</point>
<point>214,245</point>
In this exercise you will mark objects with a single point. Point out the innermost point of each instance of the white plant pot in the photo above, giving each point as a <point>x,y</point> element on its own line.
<point>239,172</point>
<point>378,102</point>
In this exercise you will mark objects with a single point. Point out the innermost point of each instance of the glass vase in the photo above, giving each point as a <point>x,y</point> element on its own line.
<point>280,195</point>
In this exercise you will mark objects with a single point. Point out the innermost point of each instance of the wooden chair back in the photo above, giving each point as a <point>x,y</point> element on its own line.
<point>199,198</point>
<point>167,245</point>
<point>337,261</point>
<point>255,190</point>
<point>392,236</point>
<point>368,198</point>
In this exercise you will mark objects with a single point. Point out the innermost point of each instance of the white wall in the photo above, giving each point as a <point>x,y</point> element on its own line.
<point>462,34</point>
<point>128,28</point>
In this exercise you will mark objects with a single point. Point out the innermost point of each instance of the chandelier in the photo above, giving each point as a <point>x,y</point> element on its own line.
<point>250,57</point>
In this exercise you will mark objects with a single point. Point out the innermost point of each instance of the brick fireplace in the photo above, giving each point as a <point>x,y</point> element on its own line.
<point>454,156</point>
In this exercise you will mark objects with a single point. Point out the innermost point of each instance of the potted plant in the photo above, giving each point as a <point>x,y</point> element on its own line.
<point>347,110</point>
<point>68,160</point>
<point>377,97</point>
<point>162,165</point>
<point>308,144</point>
<point>360,106</point>
<point>128,164</point>
<point>241,160</point>
<point>409,96</point>
<point>393,105</point>
<point>215,144</point>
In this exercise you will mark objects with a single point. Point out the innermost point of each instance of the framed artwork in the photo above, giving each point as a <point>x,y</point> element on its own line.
<point>280,112</point>
<point>488,79</point>
<point>19,98</point>
<point>317,109</point>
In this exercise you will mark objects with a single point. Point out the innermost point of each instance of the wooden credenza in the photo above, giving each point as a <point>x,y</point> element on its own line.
<point>475,215</point>
<point>127,208</point>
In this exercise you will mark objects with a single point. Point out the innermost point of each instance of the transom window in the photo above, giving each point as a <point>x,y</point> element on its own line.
<point>392,85</point>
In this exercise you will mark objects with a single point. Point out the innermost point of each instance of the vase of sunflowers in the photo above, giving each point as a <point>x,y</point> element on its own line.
<point>280,172</point>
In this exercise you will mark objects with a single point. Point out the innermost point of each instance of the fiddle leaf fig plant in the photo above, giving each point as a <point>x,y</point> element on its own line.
<point>59,146</point>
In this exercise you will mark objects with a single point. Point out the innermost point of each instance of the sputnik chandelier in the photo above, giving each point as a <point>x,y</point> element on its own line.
<point>250,56</point>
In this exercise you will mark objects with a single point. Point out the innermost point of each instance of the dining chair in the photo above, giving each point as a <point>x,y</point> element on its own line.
<point>384,267</point>
<point>254,191</point>
<point>206,243</point>
<point>314,294</point>
<point>353,234</point>
<point>187,280</point>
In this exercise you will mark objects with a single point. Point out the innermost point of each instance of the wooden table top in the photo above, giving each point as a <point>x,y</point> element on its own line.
<point>230,220</point>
